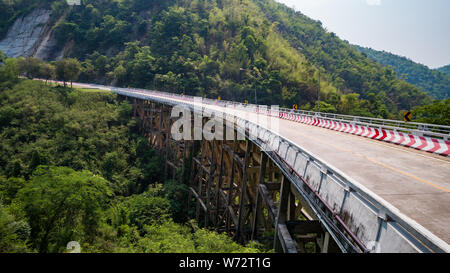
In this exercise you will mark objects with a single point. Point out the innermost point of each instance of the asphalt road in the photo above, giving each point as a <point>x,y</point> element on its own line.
<point>416,183</point>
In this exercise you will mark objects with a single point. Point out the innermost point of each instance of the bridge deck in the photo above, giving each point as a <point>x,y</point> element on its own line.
<point>416,183</point>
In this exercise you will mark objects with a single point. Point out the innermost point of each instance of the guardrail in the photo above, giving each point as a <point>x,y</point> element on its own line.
<point>414,128</point>
<point>367,220</point>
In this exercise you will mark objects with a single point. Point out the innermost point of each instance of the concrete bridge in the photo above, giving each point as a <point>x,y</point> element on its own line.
<point>312,182</point>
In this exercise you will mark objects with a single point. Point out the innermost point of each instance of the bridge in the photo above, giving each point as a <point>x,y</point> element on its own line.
<point>305,181</point>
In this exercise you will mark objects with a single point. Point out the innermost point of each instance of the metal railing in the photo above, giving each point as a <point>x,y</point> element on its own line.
<point>414,128</point>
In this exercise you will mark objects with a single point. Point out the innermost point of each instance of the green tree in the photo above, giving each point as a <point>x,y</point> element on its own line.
<point>62,205</point>
<point>169,237</point>
<point>436,113</point>
<point>30,67</point>
<point>120,74</point>
<point>177,193</point>
<point>47,71</point>
<point>68,70</point>
<point>148,209</point>
<point>66,31</point>
<point>13,233</point>
<point>3,57</point>
<point>9,72</point>
<point>9,187</point>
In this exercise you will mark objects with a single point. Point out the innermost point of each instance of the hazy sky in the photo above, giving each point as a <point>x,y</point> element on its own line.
<point>417,29</point>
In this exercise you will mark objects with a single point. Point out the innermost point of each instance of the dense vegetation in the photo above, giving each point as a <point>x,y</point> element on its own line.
<point>433,82</point>
<point>10,10</point>
<point>73,167</point>
<point>231,48</point>
<point>437,113</point>
<point>445,69</point>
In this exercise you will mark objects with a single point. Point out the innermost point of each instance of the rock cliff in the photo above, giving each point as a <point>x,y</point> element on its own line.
<point>31,35</point>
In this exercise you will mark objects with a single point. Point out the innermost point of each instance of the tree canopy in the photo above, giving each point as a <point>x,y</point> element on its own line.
<point>62,205</point>
<point>74,167</point>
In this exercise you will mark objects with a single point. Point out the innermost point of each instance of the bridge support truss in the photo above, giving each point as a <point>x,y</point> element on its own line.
<point>235,187</point>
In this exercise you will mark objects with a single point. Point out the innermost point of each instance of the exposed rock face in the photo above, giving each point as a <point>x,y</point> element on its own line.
<point>47,48</point>
<point>30,36</point>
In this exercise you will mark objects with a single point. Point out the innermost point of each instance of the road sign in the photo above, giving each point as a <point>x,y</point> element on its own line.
<point>407,116</point>
<point>295,107</point>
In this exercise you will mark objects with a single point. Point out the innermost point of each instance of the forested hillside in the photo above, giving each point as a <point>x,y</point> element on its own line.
<point>230,48</point>
<point>74,167</point>
<point>431,81</point>
<point>444,69</point>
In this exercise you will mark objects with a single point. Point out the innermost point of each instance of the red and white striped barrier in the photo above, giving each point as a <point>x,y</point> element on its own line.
<point>427,144</point>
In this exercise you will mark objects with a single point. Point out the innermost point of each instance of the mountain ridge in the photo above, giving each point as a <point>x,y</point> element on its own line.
<point>444,69</point>
<point>229,48</point>
<point>429,80</point>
